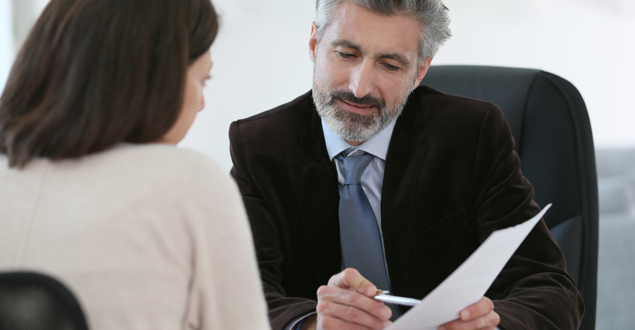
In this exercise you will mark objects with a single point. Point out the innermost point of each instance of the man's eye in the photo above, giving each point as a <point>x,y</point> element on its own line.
<point>391,67</point>
<point>345,55</point>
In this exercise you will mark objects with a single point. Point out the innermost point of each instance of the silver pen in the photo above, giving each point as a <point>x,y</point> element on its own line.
<point>385,296</point>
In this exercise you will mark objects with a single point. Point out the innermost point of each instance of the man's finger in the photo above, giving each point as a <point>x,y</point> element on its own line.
<point>482,307</point>
<point>348,298</point>
<point>350,278</point>
<point>350,316</point>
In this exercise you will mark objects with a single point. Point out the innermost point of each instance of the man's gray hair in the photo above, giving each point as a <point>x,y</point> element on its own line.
<point>432,14</point>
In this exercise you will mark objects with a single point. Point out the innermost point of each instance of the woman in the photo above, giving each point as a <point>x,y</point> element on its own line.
<point>92,190</point>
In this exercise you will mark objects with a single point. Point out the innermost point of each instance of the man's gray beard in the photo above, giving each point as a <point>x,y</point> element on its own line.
<point>352,126</point>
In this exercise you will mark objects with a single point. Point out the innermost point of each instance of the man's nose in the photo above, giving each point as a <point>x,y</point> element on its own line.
<point>363,79</point>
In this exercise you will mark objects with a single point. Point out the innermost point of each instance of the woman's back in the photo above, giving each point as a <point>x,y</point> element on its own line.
<point>146,236</point>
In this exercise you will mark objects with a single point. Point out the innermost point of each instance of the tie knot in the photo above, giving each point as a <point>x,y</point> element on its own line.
<point>354,167</point>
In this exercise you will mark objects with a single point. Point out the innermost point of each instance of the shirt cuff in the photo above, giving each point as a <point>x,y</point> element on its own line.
<point>295,324</point>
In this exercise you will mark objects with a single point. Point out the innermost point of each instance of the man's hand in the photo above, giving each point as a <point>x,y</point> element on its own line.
<point>346,303</point>
<point>478,316</point>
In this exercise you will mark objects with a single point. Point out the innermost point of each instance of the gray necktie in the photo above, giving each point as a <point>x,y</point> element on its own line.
<point>359,233</point>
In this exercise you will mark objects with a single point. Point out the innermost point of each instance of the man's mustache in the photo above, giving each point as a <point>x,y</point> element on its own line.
<point>350,97</point>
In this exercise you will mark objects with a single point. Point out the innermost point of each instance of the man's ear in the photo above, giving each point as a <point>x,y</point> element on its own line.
<point>423,69</point>
<point>313,41</point>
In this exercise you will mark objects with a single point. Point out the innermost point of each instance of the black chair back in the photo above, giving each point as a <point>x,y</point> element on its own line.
<point>30,301</point>
<point>551,127</point>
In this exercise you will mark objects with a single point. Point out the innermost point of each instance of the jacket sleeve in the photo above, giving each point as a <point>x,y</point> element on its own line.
<point>534,290</point>
<point>282,309</point>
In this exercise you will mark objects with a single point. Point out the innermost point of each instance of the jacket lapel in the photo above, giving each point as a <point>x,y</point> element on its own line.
<point>315,180</point>
<point>403,164</point>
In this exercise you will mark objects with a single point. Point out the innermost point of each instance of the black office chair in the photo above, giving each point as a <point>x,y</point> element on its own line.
<point>550,124</point>
<point>30,301</point>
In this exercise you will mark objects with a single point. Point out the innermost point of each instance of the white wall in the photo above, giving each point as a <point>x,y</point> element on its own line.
<point>261,58</point>
<point>6,42</point>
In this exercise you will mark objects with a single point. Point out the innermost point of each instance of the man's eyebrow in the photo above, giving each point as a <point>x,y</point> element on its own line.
<point>397,57</point>
<point>393,56</point>
<point>346,43</point>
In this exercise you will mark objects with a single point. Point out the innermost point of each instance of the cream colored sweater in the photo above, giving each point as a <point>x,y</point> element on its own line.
<point>147,237</point>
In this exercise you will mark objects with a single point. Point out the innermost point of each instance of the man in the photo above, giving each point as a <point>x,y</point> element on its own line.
<point>396,184</point>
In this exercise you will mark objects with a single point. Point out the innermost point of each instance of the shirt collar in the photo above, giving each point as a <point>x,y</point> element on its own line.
<point>376,145</point>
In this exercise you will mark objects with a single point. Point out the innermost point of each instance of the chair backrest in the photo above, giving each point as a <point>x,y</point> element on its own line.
<point>551,127</point>
<point>30,301</point>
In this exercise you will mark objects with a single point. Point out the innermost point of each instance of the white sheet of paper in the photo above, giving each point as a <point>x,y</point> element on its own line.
<point>468,283</point>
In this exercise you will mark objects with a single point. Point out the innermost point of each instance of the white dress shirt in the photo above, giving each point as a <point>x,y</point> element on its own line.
<point>373,177</point>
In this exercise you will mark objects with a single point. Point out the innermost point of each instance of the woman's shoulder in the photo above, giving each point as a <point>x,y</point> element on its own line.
<point>161,158</point>
<point>151,154</point>
<point>152,165</point>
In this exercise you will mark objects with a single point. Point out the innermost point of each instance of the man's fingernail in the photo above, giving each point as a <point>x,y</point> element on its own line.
<point>387,324</point>
<point>369,291</point>
<point>386,312</point>
<point>465,315</point>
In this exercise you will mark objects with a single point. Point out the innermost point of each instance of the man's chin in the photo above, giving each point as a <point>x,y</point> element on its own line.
<point>352,127</point>
<point>353,132</point>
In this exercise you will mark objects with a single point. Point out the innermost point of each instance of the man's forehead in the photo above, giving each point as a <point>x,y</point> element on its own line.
<point>374,32</point>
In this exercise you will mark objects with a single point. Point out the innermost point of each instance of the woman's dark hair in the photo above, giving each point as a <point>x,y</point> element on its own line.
<point>94,73</point>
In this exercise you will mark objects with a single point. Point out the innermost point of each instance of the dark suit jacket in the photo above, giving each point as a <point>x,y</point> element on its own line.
<point>451,178</point>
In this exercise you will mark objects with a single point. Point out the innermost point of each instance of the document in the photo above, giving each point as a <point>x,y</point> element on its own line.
<point>468,283</point>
